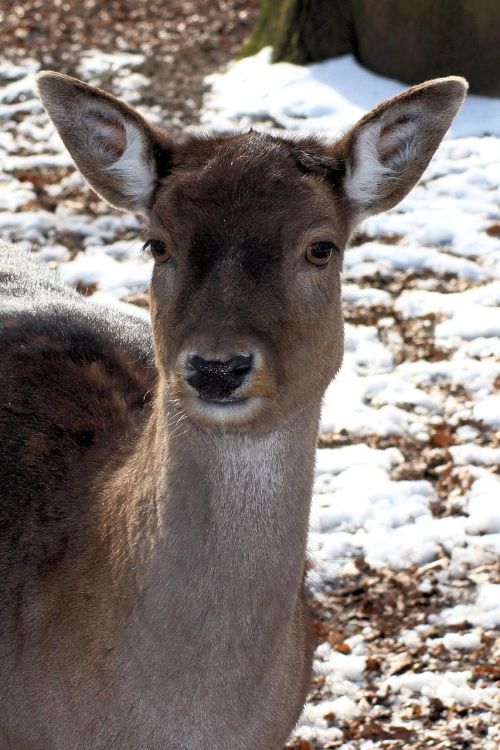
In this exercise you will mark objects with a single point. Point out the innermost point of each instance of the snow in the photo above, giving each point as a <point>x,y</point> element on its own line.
<point>471,323</point>
<point>361,510</point>
<point>411,639</point>
<point>488,410</point>
<point>325,97</point>
<point>94,62</point>
<point>13,195</point>
<point>98,267</point>
<point>17,163</point>
<point>415,303</point>
<point>343,708</point>
<point>19,88</point>
<point>450,688</point>
<point>9,71</point>
<point>468,453</point>
<point>483,510</point>
<point>463,641</point>
<point>405,258</point>
<point>345,666</point>
<point>443,234</point>
<point>484,612</point>
<point>336,460</point>
<point>363,296</point>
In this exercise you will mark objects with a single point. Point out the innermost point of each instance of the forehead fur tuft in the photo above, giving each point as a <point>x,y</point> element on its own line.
<point>241,167</point>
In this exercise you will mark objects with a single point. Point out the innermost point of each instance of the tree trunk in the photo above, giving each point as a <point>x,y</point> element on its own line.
<point>407,41</point>
<point>267,29</point>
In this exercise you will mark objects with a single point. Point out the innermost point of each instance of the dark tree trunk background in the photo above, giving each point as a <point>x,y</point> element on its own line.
<point>409,41</point>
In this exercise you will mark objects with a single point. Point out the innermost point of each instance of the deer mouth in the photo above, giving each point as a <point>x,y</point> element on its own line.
<point>223,400</point>
<point>227,411</point>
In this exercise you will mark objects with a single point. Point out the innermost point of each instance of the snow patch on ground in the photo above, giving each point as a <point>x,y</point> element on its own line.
<point>325,97</point>
<point>483,612</point>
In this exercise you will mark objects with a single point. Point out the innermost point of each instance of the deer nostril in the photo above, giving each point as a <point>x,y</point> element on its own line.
<point>241,364</point>
<point>216,379</point>
<point>195,363</point>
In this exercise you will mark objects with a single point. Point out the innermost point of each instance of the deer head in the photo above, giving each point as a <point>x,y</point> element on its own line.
<point>248,231</point>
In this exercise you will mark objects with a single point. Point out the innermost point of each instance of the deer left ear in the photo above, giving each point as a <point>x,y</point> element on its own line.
<point>119,153</point>
<point>386,152</point>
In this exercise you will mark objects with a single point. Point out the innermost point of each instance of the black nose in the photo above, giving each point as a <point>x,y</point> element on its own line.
<point>215,379</point>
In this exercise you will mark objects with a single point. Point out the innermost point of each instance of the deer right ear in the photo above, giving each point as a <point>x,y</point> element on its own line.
<point>120,155</point>
<point>386,152</point>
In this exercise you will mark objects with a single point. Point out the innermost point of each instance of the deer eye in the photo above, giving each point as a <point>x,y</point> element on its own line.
<point>159,250</point>
<point>320,253</point>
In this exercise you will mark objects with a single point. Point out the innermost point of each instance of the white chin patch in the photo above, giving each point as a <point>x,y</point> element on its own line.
<point>227,413</point>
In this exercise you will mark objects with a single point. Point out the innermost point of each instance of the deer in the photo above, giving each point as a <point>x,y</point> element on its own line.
<point>156,478</point>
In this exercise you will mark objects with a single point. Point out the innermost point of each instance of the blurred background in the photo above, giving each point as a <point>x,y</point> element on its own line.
<point>181,41</point>
<point>405,522</point>
<point>408,41</point>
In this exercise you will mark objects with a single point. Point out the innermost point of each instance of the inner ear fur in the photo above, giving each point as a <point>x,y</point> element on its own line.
<point>119,153</point>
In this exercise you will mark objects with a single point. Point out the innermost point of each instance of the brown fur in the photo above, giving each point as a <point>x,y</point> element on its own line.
<point>153,546</point>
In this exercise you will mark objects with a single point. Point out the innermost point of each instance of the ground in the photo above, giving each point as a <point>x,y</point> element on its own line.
<point>405,523</point>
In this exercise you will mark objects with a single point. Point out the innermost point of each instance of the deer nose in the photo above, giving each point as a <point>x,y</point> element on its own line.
<point>216,379</point>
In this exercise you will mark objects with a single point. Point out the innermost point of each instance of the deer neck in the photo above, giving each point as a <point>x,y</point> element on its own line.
<point>219,542</point>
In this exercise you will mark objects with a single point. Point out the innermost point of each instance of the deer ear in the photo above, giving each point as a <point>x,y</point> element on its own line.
<point>120,155</point>
<point>386,152</point>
